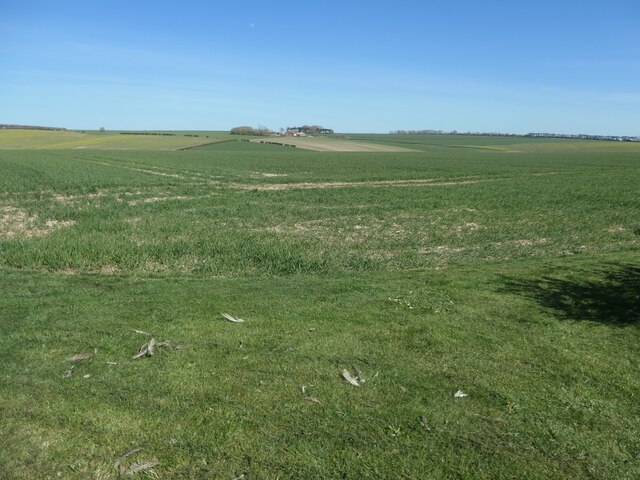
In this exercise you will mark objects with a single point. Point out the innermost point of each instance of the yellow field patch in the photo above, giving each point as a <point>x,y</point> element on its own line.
<point>70,140</point>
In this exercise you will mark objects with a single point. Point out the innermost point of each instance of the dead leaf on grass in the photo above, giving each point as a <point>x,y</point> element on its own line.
<point>231,318</point>
<point>349,379</point>
<point>69,372</point>
<point>80,356</point>
<point>140,466</point>
<point>149,348</point>
<point>460,394</point>
<point>146,350</point>
<point>120,461</point>
<point>312,399</point>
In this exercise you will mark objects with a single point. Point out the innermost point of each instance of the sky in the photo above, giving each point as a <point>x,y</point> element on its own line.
<point>354,66</point>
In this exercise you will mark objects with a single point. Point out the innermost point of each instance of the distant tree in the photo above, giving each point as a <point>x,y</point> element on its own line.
<point>246,130</point>
<point>311,129</point>
<point>243,130</point>
<point>102,130</point>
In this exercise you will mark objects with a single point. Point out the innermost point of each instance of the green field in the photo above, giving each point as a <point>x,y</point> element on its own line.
<point>506,268</point>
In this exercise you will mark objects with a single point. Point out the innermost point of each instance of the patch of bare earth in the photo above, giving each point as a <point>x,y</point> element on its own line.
<point>467,227</point>
<point>17,223</point>
<point>379,183</point>
<point>159,199</point>
<point>268,175</point>
<point>148,196</point>
<point>523,242</point>
<point>347,232</point>
<point>104,270</point>
<point>107,270</point>
<point>73,198</point>
<point>447,249</point>
<point>320,144</point>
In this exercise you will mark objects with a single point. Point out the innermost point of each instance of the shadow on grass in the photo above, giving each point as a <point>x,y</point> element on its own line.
<point>609,295</point>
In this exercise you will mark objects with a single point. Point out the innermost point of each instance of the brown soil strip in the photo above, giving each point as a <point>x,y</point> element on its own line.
<point>381,183</point>
<point>332,145</point>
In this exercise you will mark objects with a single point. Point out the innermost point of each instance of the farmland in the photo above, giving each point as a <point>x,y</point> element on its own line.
<point>506,268</point>
<point>326,144</point>
<point>104,140</point>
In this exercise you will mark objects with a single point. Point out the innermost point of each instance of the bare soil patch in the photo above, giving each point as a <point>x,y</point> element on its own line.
<point>268,175</point>
<point>17,223</point>
<point>524,242</point>
<point>72,198</point>
<point>320,144</point>
<point>380,183</point>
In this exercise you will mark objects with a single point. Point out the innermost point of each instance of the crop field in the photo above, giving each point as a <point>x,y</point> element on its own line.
<point>95,140</point>
<point>482,294</point>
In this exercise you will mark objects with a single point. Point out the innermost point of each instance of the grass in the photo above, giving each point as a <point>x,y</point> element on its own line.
<point>225,211</point>
<point>521,289</point>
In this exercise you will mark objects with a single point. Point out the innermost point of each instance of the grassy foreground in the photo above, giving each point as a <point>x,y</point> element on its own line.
<point>515,279</point>
<point>547,355</point>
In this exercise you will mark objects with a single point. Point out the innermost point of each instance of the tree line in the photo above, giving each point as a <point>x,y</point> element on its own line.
<point>246,130</point>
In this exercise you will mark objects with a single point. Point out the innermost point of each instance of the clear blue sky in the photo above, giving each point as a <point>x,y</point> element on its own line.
<point>509,66</point>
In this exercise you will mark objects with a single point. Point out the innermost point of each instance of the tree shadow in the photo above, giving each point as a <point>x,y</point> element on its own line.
<point>609,295</point>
